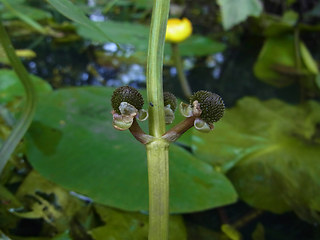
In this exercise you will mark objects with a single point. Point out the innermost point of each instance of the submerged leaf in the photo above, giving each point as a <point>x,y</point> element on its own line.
<point>271,153</point>
<point>131,225</point>
<point>47,201</point>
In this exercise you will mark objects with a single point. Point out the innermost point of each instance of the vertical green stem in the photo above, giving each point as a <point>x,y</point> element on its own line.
<point>297,48</point>
<point>27,115</point>
<point>298,61</point>
<point>158,172</point>
<point>178,64</point>
<point>154,66</point>
<point>157,150</point>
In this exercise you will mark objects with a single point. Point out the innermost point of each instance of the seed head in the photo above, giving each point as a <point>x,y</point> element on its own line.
<point>169,98</point>
<point>211,105</point>
<point>126,94</point>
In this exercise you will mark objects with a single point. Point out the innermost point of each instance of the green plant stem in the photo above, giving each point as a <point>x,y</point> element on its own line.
<point>157,150</point>
<point>158,172</point>
<point>29,109</point>
<point>178,64</point>
<point>297,48</point>
<point>298,61</point>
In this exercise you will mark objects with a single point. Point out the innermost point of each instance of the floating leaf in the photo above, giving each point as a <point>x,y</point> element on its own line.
<point>72,142</point>
<point>271,153</point>
<point>236,11</point>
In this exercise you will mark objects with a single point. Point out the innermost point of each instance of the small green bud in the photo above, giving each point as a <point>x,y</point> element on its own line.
<point>126,94</point>
<point>169,98</point>
<point>211,106</point>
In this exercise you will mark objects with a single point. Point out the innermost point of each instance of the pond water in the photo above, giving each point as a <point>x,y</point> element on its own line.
<point>229,73</point>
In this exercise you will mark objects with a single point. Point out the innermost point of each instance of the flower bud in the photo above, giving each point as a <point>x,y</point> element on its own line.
<point>211,106</point>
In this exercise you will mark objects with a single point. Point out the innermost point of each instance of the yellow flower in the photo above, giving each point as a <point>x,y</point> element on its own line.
<point>178,30</point>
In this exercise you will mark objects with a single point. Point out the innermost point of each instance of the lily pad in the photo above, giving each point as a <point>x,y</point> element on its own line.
<point>72,142</point>
<point>271,153</point>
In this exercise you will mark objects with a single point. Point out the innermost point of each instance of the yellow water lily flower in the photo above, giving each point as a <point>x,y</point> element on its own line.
<point>178,30</point>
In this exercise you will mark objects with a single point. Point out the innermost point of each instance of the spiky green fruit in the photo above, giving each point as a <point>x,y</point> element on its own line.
<point>211,105</point>
<point>169,98</point>
<point>126,94</point>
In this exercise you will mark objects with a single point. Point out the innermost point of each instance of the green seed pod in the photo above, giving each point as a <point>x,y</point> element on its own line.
<point>126,94</point>
<point>169,98</point>
<point>211,105</point>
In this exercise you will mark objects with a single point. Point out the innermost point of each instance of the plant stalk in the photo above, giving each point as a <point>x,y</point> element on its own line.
<point>29,109</point>
<point>157,149</point>
<point>181,75</point>
<point>139,134</point>
<point>298,61</point>
<point>174,133</point>
<point>158,172</point>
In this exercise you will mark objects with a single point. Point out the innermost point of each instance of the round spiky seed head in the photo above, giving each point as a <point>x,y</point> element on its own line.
<point>126,94</point>
<point>169,98</point>
<point>211,105</point>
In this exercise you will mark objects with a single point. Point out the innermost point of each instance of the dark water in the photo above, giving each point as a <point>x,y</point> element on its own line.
<point>230,73</point>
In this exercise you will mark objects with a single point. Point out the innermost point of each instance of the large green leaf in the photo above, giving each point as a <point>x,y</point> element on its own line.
<point>72,142</point>
<point>271,152</point>
<point>236,11</point>
<point>10,86</point>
